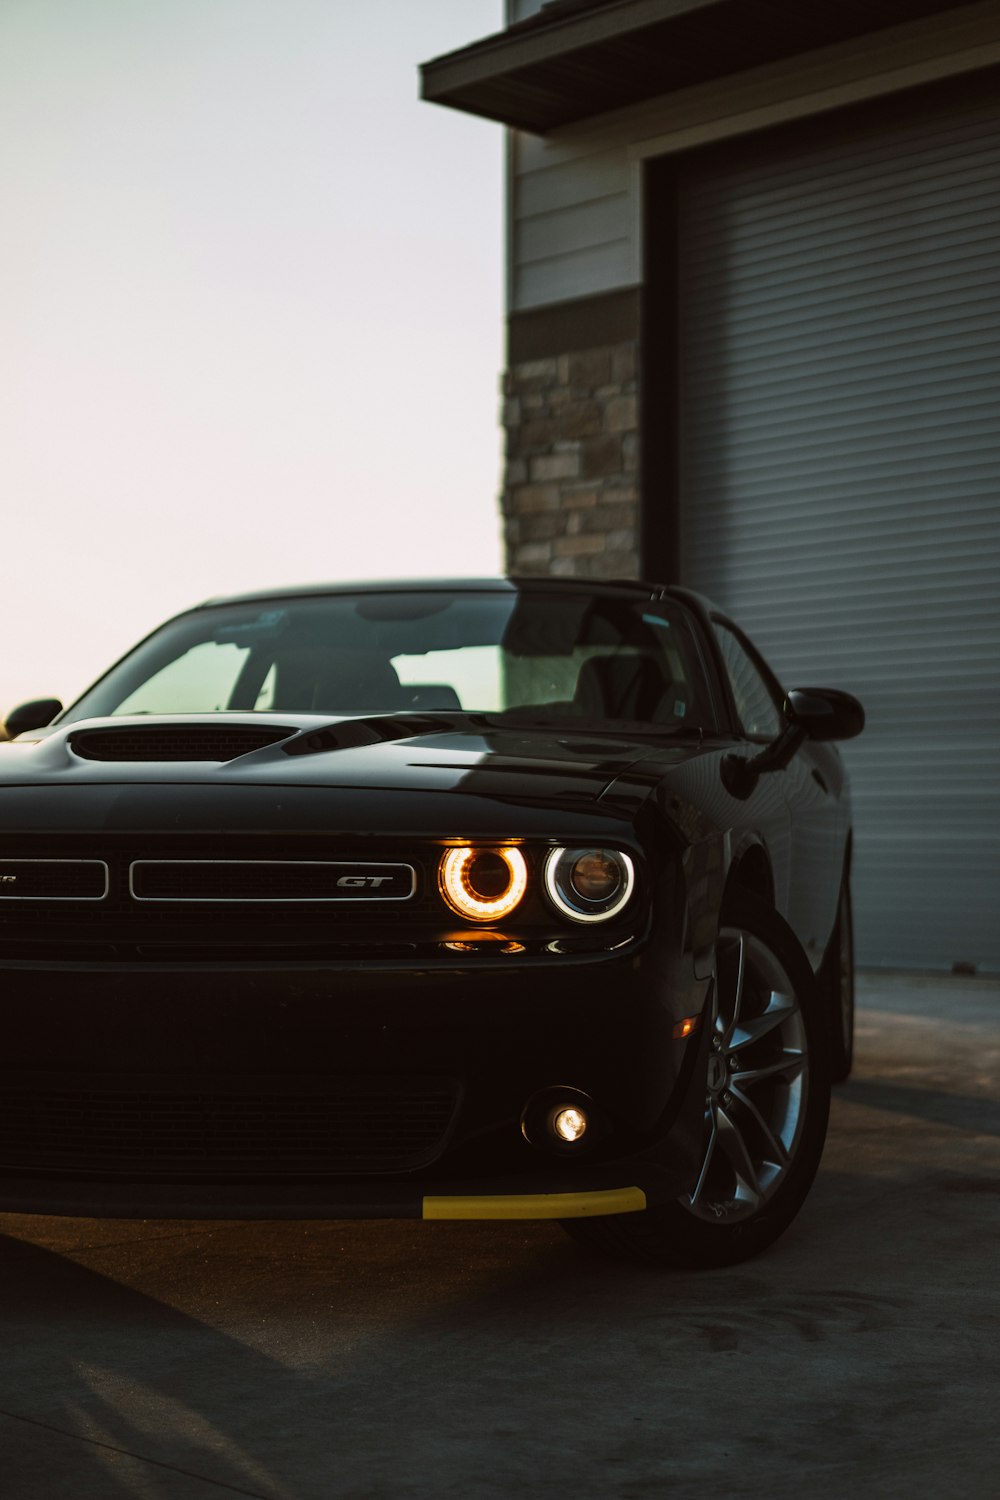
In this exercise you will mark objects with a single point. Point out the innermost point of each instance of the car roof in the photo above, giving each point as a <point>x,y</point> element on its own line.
<point>500,585</point>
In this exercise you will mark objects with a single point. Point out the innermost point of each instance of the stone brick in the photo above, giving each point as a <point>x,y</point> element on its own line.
<point>621,414</point>
<point>541,527</point>
<point>554,466</point>
<point>532,371</point>
<point>623,363</point>
<point>621,541</point>
<point>608,518</point>
<point>600,455</point>
<point>621,493</point>
<point>540,432</point>
<point>576,546</point>
<point>589,369</point>
<point>571,499</point>
<point>620,565</point>
<point>579,419</point>
<point>575,496</point>
<point>532,556</point>
<point>531,497</point>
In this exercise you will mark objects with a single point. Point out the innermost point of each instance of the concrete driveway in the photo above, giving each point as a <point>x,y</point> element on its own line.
<point>859,1358</point>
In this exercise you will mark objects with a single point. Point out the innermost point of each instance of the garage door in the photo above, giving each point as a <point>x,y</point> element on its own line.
<point>840,474</point>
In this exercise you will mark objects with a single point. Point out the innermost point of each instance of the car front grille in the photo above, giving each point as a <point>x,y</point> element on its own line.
<point>209,1129</point>
<point>233,880</point>
<point>53,880</point>
<point>230,897</point>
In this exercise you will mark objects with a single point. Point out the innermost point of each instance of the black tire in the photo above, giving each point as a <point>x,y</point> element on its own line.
<point>766,1108</point>
<point>837,985</point>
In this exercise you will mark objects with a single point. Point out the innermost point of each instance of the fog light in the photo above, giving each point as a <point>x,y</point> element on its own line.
<point>569,1124</point>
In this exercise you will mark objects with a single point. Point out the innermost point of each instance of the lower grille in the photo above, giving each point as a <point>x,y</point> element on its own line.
<point>209,1129</point>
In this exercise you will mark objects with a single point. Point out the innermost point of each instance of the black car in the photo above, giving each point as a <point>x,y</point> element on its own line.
<point>502,899</point>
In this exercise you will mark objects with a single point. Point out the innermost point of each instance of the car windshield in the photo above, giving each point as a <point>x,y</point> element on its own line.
<point>537,654</point>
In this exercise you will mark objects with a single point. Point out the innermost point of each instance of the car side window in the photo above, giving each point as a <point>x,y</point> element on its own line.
<point>758,712</point>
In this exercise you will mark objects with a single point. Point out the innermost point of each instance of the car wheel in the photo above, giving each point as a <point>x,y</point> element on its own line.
<point>837,981</point>
<point>766,1105</point>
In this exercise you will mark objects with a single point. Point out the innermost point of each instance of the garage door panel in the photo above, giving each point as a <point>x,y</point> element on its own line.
<point>839,454</point>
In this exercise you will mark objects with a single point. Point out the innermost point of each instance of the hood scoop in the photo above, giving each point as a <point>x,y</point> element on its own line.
<point>177,742</point>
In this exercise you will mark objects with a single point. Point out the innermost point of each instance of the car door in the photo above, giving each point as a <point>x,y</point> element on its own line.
<point>810,787</point>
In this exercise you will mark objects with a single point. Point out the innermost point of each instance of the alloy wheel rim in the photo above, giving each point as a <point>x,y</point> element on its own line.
<point>758,1082</point>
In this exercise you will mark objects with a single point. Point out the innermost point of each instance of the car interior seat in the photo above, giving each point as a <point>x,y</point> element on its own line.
<point>628,685</point>
<point>338,682</point>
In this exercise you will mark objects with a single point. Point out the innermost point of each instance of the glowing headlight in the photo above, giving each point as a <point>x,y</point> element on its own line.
<point>483,885</point>
<point>589,885</point>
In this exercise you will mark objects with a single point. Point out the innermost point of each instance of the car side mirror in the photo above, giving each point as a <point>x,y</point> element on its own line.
<point>810,713</point>
<point>824,713</point>
<point>33,715</point>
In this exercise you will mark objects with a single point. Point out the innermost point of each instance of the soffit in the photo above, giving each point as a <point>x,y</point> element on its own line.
<point>579,58</point>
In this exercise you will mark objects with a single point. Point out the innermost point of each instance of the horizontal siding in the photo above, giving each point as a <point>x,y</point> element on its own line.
<point>840,465</point>
<point>520,10</point>
<point>560,278</point>
<point>543,189</point>
<point>584,227</point>
<point>555,178</point>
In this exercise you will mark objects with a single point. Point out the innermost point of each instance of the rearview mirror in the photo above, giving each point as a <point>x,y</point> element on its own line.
<point>824,713</point>
<point>33,715</point>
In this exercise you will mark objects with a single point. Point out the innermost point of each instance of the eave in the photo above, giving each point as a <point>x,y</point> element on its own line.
<point>581,58</point>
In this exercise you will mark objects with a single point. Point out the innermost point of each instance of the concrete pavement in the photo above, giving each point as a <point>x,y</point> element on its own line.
<point>368,1361</point>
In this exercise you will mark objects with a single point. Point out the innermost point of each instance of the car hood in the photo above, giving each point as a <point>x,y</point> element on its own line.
<point>390,757</point>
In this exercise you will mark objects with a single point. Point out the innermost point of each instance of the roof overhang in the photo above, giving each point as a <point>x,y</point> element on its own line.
<point>578,58</point>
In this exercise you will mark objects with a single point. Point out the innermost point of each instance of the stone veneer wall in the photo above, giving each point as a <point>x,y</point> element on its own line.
<point>570,500</point>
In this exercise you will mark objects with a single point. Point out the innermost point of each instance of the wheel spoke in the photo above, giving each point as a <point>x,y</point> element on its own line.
<point>789,1066</point>
<point>713,1136</point>
<point>780,1009</point>
<point>727,1023</point>
<point>735,1147</point>
<point>773,1142</point>
<point>756,1080</point>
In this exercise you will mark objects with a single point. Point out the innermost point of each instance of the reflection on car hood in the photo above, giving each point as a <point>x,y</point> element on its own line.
<point>476,754</point>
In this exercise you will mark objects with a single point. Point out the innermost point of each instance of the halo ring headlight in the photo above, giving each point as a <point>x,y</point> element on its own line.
<point>589,884</point>
<point>483,885</point>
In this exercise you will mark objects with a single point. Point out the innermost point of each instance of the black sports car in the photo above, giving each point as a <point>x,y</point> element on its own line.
<point>502,899</point>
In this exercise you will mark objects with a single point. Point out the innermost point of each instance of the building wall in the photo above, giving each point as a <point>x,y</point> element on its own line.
<point>520,10</point>
<point>571,494</point>
<point>575,211</point>
<point>570,499</point>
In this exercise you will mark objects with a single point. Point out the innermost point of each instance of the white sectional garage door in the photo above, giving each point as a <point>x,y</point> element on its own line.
<point>840,475</point>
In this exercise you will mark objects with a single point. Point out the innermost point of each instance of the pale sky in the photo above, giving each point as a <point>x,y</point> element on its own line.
<point>250,312</point>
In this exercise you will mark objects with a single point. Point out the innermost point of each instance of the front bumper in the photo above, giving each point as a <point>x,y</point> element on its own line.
<point>500,1029</point>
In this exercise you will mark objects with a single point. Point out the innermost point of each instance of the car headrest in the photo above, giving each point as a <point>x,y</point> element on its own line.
<point>624,686</point>
<point>356,680</point>
<point>429,695</point>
